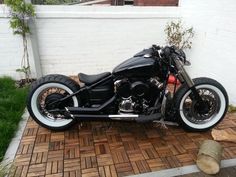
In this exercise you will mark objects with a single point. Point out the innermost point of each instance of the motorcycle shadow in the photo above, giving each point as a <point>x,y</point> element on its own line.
<point>127,130</point>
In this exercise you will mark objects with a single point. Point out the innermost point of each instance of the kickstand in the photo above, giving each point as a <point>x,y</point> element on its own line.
<point>161,123</point>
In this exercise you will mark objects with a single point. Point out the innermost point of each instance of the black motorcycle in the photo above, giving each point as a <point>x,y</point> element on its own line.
<point>136,90</point>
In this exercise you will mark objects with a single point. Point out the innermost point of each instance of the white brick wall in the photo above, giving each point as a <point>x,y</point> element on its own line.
<point>93,39</point>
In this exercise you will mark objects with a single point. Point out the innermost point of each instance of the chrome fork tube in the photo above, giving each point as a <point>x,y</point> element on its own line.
<point>183,75</point>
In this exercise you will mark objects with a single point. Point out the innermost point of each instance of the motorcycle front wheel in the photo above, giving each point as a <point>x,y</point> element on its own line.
<point>204,114</point>
<point>47,90</point>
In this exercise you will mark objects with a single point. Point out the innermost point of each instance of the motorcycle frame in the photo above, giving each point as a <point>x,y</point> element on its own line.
<point>85,112</point>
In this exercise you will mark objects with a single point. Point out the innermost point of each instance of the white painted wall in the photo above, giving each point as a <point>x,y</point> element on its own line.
<point>93,39</point>
<point>213,52</point>
<point>11,48</point>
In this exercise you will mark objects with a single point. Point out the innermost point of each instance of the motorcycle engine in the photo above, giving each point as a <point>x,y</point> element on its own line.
<point>134,95</point>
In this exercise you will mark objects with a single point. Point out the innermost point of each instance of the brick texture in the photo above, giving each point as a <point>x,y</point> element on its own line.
<point>156,2</point>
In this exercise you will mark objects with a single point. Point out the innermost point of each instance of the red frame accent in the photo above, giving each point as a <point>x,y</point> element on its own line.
<point>172,80</point>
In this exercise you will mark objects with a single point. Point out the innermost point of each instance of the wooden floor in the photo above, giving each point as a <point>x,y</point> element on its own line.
<point>103,149</point>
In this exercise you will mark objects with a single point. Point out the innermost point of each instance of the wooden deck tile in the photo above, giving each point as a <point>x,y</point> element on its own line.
<point>57,136</point>
<point>55,155</point>
<point>110,149</point>
<point>140,166</point>
<point>87,151</point>
<point>104,160</point>
<point>86,140</point>
<point>19,171</point>
<point>173,161</point>
<point>152,133</point>
<point>185,159</point>
<point>102,148</point>
<point>40,157</point>
<point>42,138</point>
<point>119,156</point>
<point>124,169</point>
<point>56,145</point>
<point>28,140</point>
<point>25,149</point>
<point>72,164</point>
<point>55,175</point>
<point>42,130</point>
<point>72,151</point>
<point>130,145</point>
<point>88,162</point>
<point>156,164</point>
<point>135,155</point>
<point>113,138</point>
<point>90,172</point>
<point>164,151</point>
<point>41,147</point>
<point>149,153</point>
<point>36,170</point>
<point>30,131</point>
<point>21,160</point>
<point>107,171</point>
<point>54,167</point>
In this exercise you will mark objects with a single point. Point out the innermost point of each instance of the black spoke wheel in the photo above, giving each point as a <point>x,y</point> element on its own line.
<point>205,113</point>
<point>46,91</point>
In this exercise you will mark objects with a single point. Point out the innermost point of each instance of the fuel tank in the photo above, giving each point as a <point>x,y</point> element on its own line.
<point>137,66</point>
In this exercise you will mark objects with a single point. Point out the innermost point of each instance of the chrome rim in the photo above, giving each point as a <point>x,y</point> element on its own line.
<point>200,113</point>
<point>39,107</point>
<point>191,113</point>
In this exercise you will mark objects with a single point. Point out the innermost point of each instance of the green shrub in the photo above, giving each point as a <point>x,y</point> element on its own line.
<point>12,105</point>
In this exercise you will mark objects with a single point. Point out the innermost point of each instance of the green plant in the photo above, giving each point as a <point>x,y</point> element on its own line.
<point>12,105</point>
<point>179,36</point>
<point>20,12</point>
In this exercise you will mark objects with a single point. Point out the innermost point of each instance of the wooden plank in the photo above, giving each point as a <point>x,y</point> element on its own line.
<point>36,170</point>
<point>72,151</point>
<point>104,160</point>
<point>156,164</point>
<point>124,169</point>
<point>72,165</point>
<point>119,156</point>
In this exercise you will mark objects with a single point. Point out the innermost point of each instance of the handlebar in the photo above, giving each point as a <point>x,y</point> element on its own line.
<point>173,52</point>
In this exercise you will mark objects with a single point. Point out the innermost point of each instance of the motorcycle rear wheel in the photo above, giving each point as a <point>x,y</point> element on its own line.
<point>197,116</point>
<point>47,90</point>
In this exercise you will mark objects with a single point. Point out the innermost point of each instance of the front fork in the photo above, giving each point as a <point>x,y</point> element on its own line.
<point>184,77</point>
